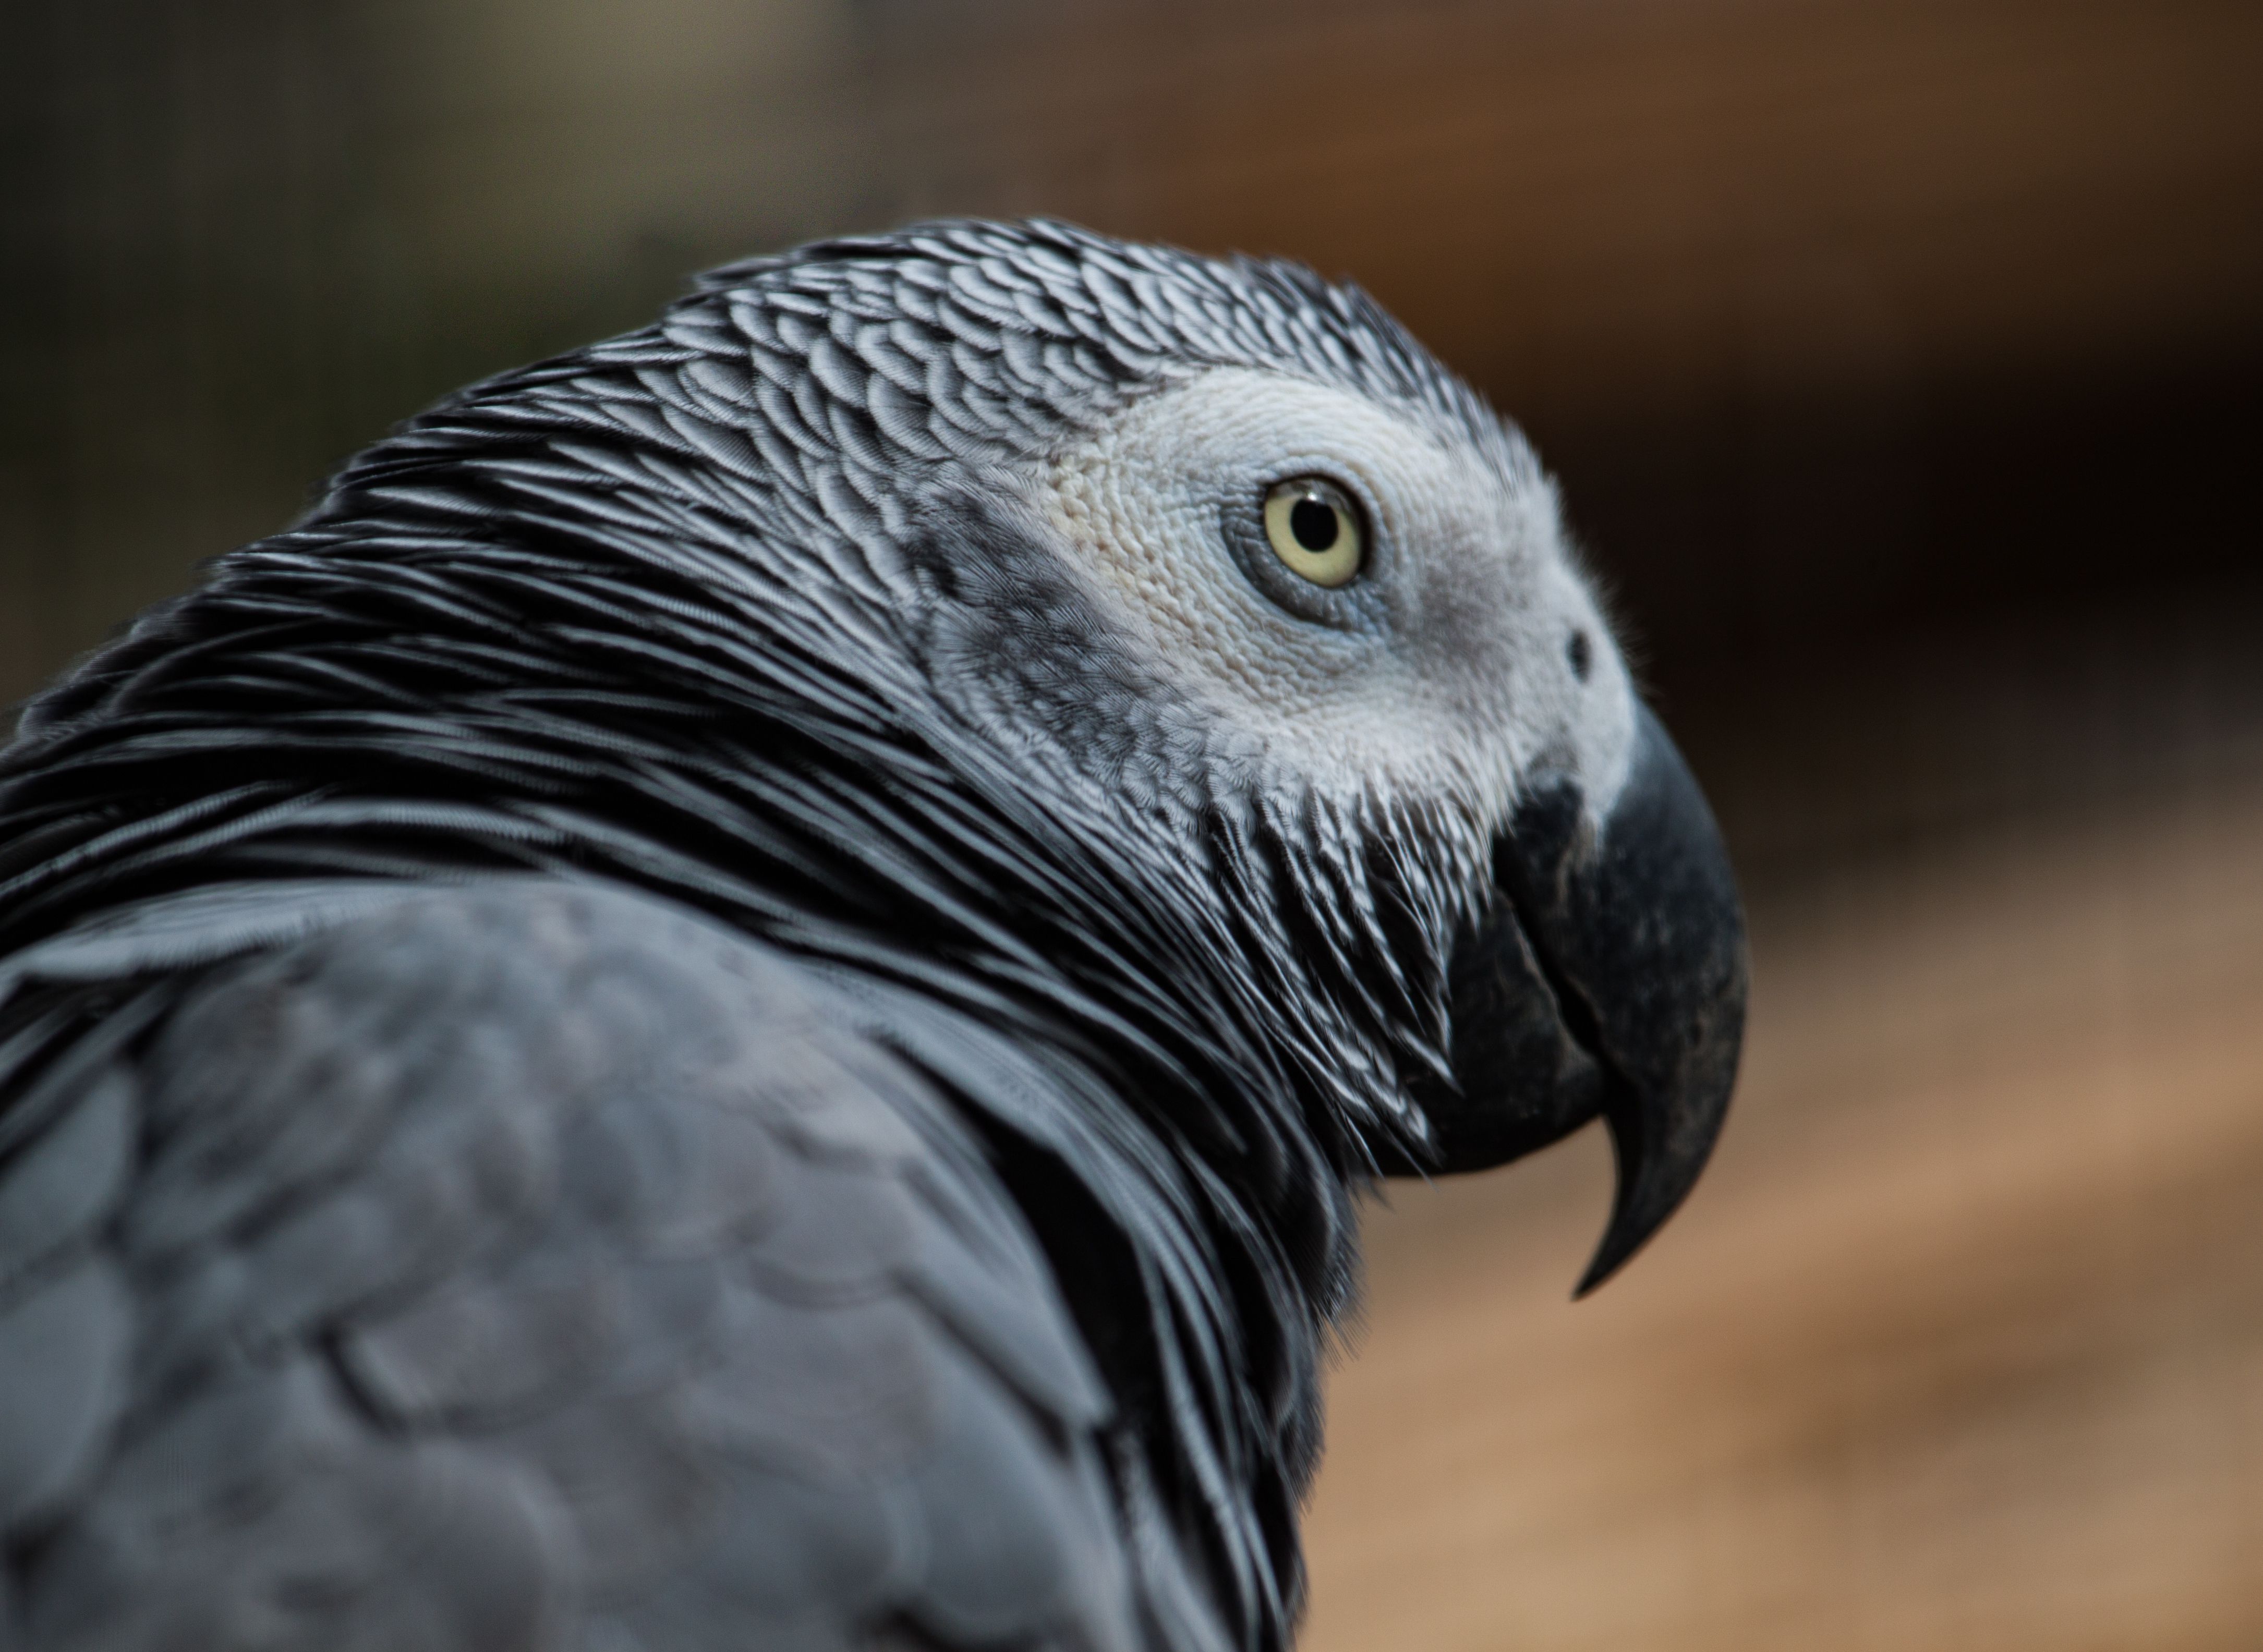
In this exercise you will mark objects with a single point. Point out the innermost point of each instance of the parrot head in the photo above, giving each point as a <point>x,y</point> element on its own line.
<point>1283,619</point>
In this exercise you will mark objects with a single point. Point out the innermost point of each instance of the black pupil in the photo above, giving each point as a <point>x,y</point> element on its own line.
<point>1313,524</point>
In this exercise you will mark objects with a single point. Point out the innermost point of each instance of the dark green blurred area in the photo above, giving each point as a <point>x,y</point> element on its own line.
<point>1892,354</point>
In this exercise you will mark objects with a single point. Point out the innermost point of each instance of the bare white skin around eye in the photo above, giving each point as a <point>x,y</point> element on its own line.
<point>1456,677</point>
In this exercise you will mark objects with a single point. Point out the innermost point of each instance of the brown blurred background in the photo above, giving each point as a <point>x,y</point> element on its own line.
<point>1900,362</point>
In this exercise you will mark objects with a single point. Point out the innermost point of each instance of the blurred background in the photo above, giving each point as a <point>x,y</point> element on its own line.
<point>1899,359</point>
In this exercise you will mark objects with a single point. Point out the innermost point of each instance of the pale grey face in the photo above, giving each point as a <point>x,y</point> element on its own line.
<point>1462,655</point>
<point>1427,655</point>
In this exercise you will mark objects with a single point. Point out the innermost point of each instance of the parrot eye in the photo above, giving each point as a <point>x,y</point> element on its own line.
<point>1315,530</point>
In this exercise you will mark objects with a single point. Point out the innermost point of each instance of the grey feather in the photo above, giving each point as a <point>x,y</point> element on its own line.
<point>646,1032</point>
<point>66,1180</point>
<point>510,1301</point>
<point>63,1357</point>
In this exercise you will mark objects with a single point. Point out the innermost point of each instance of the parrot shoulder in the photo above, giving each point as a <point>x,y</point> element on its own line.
<point>514,1253</point>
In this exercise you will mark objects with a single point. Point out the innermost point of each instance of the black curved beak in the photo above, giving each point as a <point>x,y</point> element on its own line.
<point>1608,978</point>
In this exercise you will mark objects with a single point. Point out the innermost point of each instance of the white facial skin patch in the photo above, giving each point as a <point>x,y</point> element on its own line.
<point>1450,665</point>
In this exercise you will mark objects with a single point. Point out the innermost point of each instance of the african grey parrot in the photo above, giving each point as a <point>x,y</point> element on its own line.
<point>740,998</point>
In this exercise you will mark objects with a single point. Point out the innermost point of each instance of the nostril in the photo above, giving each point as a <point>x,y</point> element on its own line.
<point>1581,653</point>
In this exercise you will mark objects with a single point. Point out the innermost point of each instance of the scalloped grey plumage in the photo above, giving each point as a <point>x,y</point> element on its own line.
<point>644,1031</point>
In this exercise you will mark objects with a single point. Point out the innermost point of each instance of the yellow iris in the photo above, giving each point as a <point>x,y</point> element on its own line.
<point>1314,530</point>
